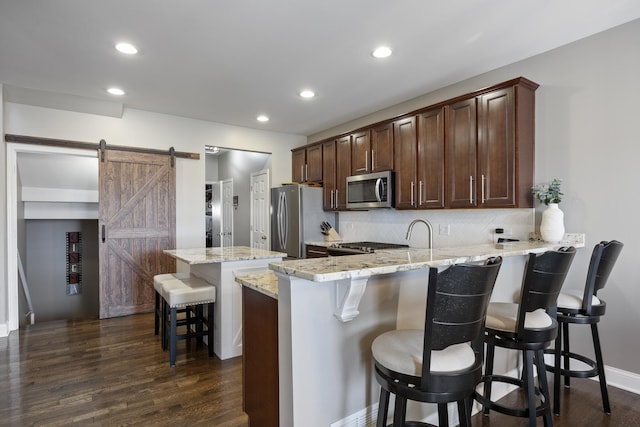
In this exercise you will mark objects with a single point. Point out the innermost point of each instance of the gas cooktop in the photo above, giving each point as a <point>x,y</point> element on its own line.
<point>352,248</point>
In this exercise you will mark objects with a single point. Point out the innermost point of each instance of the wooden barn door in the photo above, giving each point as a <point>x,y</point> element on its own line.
<point>136,223</point>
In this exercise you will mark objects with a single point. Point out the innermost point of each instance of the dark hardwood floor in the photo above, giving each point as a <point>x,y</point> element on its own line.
<point>113,373</point>
<point>581,406</point>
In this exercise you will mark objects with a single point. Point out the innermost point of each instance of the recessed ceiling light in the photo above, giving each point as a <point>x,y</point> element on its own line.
<point>126,48</point>
<point>307,94</point>
<point>115,91</point>
<point>262,118</point>
<point>382,52</point>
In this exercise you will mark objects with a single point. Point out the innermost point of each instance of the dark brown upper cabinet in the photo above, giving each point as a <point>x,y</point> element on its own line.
<point>490,148</point>
<point>473,151</point>
<point>336,167</point>
<point>306,165</point>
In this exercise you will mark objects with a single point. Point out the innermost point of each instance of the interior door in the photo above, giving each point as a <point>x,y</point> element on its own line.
<point>136,223</point>
<point>227,212</point>
<point>260,203</point>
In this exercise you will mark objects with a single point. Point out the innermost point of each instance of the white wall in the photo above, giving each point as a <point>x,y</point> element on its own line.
<point>587,134</point>
<point>145,129</point>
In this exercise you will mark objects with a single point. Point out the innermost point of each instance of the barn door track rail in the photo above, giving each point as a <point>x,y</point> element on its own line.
<point>101,146</point>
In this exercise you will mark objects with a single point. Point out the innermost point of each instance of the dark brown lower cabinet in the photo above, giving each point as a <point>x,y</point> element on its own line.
<point>260,358</point>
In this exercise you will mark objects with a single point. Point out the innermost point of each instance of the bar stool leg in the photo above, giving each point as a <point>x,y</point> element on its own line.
<point>488,371</point>
<point>172,339</point>
<point>544,387</point>
<point>156,315</point>
<point>383,408</point>
<point>400,412</point>
<point>567,358</point>
<point>464,412</point>
<point>529,386</point>
<point>556,372</point>
<point>600,364</point>
<point>443,415</point>
<point>210,324</point>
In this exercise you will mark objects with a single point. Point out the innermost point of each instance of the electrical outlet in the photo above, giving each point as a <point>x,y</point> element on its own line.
<point>445,229</point>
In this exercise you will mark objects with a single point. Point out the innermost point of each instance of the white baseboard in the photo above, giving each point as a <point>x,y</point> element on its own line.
<point>622,379</point>
<point>4,330</point>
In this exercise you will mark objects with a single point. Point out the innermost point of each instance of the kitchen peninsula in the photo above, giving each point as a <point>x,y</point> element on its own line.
<point>331,309</point>
<point>218,266</point>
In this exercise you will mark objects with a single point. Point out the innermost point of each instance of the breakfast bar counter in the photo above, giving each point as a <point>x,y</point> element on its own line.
<point>218,266</point>
<point>331,309</point>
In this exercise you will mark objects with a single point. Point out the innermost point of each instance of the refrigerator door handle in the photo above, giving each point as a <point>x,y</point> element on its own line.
<point>280,220</point>
<point>285,220</point>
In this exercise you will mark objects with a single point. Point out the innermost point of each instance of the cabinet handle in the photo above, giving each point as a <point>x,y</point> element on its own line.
<point>366,161</point>
<point>337,199</point>
<point>331,199</point>
<point>470,190</point>
<point>301,173</point>
<point>103,233</point>
<point>413,186</point>
<point>482,188</point>
<point>306,172</point>
<point>373,160</point>
<point>420,194</point>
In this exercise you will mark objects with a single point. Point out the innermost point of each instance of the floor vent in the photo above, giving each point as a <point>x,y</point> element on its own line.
<point>364,418</point>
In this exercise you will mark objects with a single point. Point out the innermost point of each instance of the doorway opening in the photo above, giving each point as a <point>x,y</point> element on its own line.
<point>231,169</point>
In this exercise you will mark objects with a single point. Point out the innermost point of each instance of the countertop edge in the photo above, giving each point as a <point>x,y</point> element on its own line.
<point>399,260</point>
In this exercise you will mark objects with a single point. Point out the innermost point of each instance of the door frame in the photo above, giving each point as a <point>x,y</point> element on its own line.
<point>13,149</point>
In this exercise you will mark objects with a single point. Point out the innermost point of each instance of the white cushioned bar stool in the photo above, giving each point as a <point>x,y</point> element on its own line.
<point>528,326</point>
<point>584,308</point>
<point>443,362</point>
<point>191,295</point>
<point>159,281</point>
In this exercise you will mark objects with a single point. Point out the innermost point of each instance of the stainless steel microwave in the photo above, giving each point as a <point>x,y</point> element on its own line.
<point>373,190</point>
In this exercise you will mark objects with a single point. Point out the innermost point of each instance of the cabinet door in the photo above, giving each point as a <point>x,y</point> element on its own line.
<point>343,170</point>
<point>328,175</point>
<point>298,161</point>
<point>460,152</point>
<point>360,148</point>
<point>382,148</point>
<point>405,151</point>
<point>314,163</point>
<point>430,157</point>
<point>496,148</point>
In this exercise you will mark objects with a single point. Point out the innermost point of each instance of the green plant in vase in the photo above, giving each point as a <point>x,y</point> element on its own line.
<point>552,224</point>
<point>548,193</point>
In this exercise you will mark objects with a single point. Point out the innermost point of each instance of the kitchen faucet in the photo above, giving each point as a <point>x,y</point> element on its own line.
<point>429,226</point>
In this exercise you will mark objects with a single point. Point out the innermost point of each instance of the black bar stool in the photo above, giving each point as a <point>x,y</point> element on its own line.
<point>584,308</point>
<point>443,362</point>
<point>528,326</point>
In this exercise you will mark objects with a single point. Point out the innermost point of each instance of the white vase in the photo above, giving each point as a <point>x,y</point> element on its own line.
<point>552,225</point>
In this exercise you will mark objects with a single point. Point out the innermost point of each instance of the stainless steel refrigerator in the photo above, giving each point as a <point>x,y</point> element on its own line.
<point>296,216</point>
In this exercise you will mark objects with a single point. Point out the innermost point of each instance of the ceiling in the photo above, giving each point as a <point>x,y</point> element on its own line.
<point>230,61</point>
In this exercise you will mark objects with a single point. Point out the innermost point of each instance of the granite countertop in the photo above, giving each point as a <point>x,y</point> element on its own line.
<point>397,260</point>
<point>265,282</point>
<point>224,254</point>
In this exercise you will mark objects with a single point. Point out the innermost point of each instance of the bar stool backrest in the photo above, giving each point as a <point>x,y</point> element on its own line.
<point>604,257</point>
<point>457,301</point>
<point>544,275</point>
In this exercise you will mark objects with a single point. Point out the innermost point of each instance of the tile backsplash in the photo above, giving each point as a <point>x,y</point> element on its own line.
<point>450,227</point>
